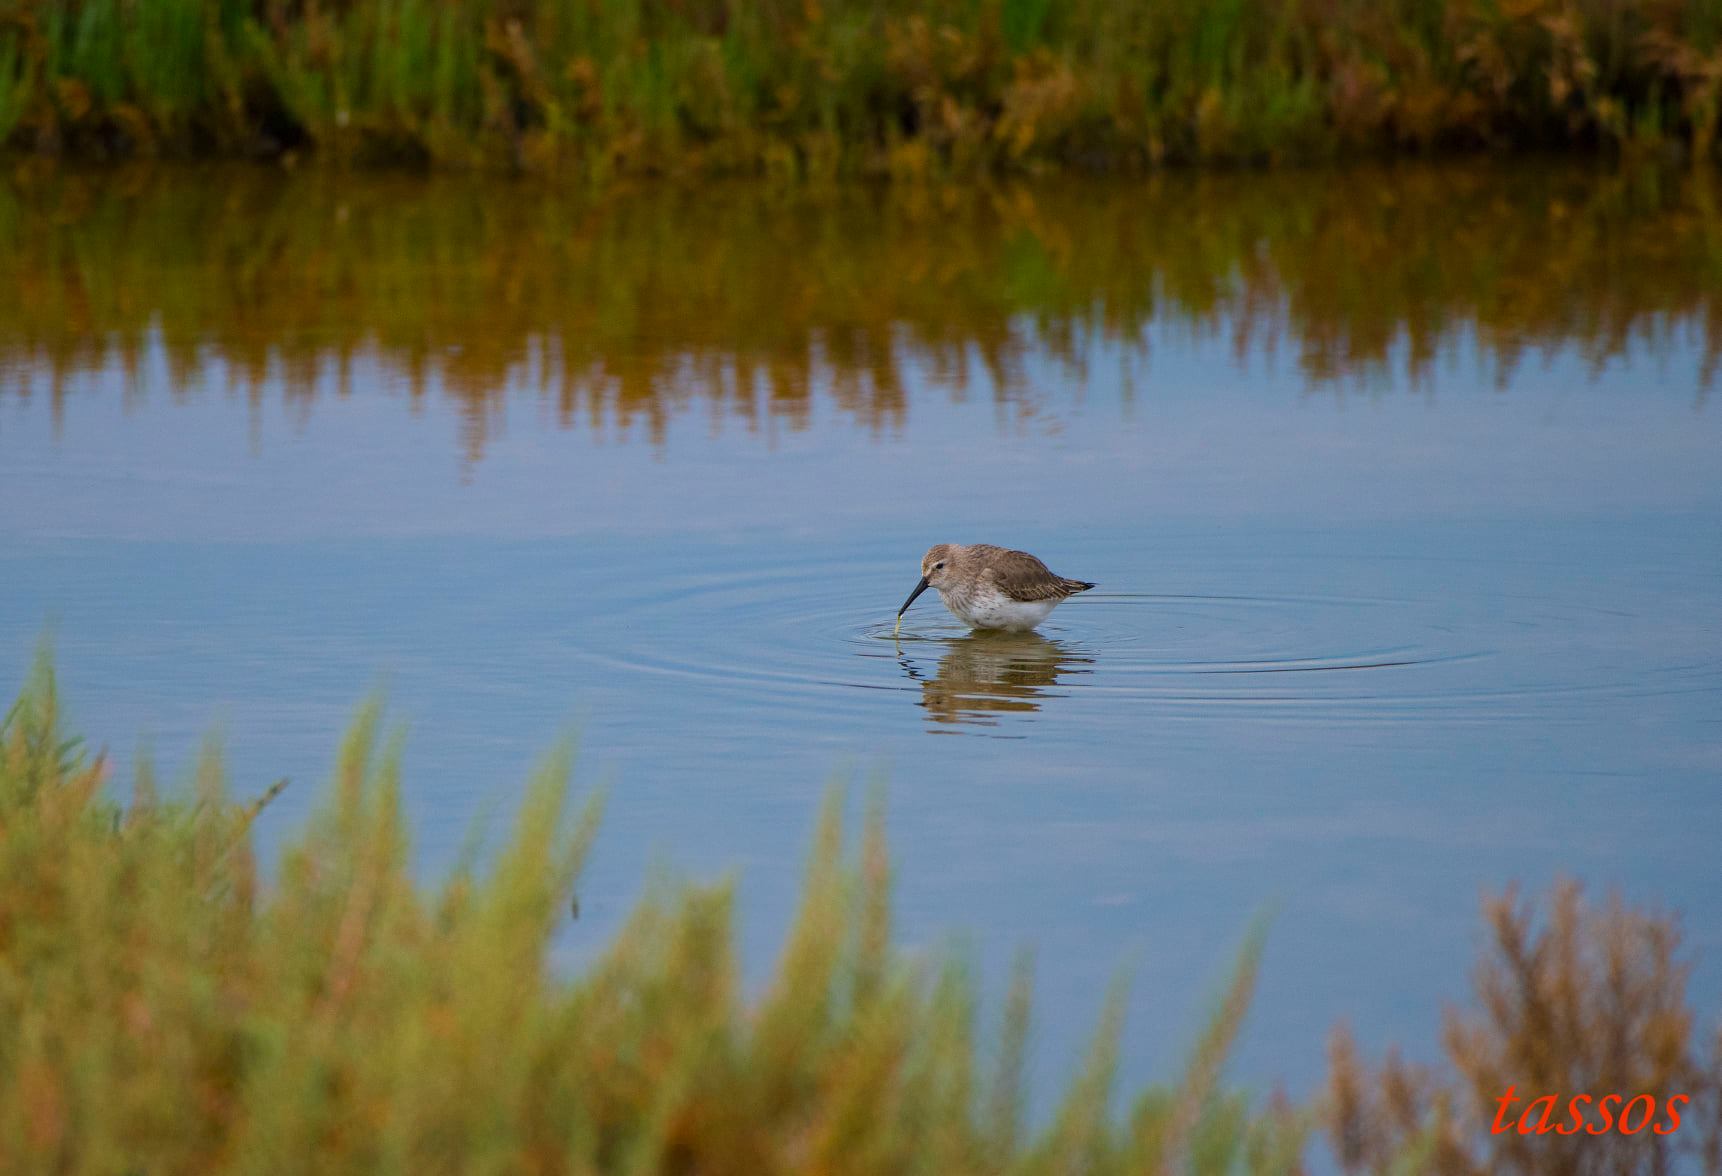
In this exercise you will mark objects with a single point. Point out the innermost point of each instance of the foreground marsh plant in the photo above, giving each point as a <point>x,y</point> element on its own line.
<point>163,1010</point>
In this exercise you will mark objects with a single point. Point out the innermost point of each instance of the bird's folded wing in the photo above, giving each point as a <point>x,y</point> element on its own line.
<point>1021,576</point>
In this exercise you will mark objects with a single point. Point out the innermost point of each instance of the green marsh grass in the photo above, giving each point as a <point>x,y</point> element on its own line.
<point>825,87</point>
<point>164,1009</point>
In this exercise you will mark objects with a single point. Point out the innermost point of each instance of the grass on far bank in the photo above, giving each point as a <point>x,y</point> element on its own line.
<point>164,1010</point>
<point>828,87</point>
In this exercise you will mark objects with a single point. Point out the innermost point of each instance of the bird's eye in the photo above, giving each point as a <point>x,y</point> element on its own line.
<point>937,566</point>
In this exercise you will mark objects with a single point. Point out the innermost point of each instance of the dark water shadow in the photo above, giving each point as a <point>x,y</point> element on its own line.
<point>983,676</point>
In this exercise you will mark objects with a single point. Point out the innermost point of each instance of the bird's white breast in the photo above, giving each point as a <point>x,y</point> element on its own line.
<point>995,610</point>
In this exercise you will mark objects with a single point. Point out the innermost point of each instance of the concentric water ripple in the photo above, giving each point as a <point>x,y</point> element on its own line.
<point>815,640</point>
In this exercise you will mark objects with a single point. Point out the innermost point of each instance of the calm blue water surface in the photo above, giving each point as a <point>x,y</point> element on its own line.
<point>1361,651</point>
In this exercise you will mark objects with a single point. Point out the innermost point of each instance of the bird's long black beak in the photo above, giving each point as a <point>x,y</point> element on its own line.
<point>919,588</point>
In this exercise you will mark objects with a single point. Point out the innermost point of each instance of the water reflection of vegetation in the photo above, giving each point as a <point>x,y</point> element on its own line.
<point>983,675</point>
<point>626,309</point>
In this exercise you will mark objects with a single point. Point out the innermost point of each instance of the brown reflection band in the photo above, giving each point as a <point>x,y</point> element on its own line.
<point>624,310</point>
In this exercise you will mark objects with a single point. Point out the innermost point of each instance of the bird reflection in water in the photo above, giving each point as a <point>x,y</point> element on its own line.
<point>988,673</point>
